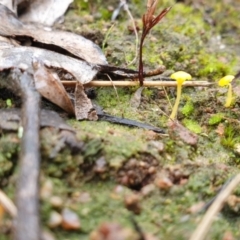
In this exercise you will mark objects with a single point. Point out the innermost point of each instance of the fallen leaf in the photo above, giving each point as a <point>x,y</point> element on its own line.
<point>83,105</point>
<point>49,86</point>
<point>75,44</point>
<point>45,11</point>
<point>21,57</point>
<point>176,130</point>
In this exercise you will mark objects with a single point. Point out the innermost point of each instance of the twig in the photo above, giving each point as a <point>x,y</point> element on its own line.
<point>135,83</point>
<point>7,204</point>
<point>27,224</point>
<point>149,21</point>
<point>203,227</point>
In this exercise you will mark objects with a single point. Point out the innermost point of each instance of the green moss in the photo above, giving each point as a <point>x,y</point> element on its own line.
<point>187,109</point>
<point>192,125</point>
<point>216,118</point>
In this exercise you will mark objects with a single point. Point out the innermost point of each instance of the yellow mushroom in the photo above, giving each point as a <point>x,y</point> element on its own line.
<point>226,81</point>
<point>180,77</point>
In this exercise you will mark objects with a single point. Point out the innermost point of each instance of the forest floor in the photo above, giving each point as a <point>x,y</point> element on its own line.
<point>130,178</point>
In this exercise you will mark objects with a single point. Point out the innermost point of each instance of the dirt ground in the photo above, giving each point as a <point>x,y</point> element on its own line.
<point>133,183</point>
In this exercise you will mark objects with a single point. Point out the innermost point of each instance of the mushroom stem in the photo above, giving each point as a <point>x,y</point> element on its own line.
<point>229,96</point>
<point>175,107</point>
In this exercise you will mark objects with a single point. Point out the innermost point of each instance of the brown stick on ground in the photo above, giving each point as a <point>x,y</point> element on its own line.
<point>27,221</point>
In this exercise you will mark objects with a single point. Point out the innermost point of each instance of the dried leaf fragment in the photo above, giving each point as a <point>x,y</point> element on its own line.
<point>176,130</point>
<point>83,105</point>
<point>49,86</point>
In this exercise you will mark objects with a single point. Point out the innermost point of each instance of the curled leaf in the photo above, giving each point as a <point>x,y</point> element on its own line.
<point>83,105</point>
<point>49,86</point>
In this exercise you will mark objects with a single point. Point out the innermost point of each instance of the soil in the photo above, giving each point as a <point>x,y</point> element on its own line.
<point>131,182</point>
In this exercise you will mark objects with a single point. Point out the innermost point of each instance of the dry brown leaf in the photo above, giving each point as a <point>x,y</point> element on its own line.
<point>83,105</point>
<point>71,42</point>
<point>178,131</point>
<point>21,57</point>
<point>49,86</point>
<point>45,11</point>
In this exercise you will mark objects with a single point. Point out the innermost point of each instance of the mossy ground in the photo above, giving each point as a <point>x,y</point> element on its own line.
<point>200,38</point>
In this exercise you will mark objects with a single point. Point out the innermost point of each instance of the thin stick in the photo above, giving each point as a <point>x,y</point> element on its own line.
<point>203,227</point>
<point>135,83</point>
<point>27,224</point>
<point>7,204</point>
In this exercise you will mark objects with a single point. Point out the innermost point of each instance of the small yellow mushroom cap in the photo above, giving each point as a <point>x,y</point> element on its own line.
<point>181,76</point>
<point>225,81</point>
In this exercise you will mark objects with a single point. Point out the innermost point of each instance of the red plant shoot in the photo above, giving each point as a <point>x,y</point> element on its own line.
<point>149,21</point>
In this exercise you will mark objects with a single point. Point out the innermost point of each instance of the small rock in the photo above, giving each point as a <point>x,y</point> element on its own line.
<point>82,197</point>
<point>163,183</point>
<point>56,202</point>
<point>132,203</point>
<point>55,219</point>
<point>46,190</point>
<point>100,165</point>
<point>113,231</point>
<point>70,220</point>
<point>158,145</point>
<point>236,148</point>
<point>196,207</point>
